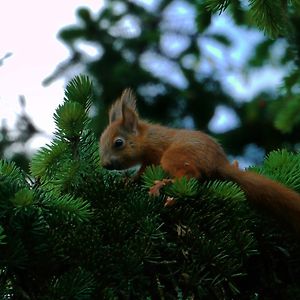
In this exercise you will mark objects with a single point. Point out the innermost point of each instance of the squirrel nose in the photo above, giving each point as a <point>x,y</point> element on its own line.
<point>111,164</point>
<point>108,166</point>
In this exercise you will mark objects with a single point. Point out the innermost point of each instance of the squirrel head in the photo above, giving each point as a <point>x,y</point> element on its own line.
<point>119,147</point>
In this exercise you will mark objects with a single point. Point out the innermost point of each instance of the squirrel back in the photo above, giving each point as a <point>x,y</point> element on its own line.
<point>129,141</point>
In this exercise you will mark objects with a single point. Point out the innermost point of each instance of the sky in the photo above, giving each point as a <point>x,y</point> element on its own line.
<point>28,30</point>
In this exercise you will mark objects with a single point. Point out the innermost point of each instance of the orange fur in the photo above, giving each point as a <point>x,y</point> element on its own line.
<point>186,153</point>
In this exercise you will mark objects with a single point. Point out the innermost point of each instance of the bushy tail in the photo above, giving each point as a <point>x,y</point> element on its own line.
<point>266,193</point>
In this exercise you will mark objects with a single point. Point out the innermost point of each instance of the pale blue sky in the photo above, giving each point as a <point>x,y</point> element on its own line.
<point>28,30</point>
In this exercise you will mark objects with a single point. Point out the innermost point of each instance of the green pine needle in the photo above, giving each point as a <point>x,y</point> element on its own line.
<point>65,177</point>
<point>283,166</point>
<point>80,90</point>
<point>11,180</point>
<point>70,118</point>
<point>183,187</point>
<point>225,190</point>
<point>217,5</point>
<point>277,160</point>
<point>289,115</point>
<point>18,257</point>
<point>48,159</point>
<point>23,198</point>
<point>30,221</point>
<point>77,284</point>
<point>153,173</point>
<point>269,15</point>
<point>11,171</point>
<point>69,208</point>
<point>2,236</point>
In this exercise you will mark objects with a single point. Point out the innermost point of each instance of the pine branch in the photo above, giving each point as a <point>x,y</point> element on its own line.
<point>46,160</point>
<point>217,5</point>
<point>289,115</point>
<point>67,208</point>
<point>23,197</point>
<point>225,190</point>
<point>288,164</point>
<point>11,171</point>
<point>2,236</point>
<point>11,181</point>
<point>183,188</point>
<point>84,232</point>
<point>153,173</point>
<point>77,284</point>
<point>80,90</point>
<point>270,16</point>
<point>70,119</point>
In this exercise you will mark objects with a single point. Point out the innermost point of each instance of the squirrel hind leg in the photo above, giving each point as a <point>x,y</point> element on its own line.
<point>178,164</point>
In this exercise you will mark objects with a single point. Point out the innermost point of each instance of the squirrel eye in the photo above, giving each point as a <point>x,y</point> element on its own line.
<point>118,143</point>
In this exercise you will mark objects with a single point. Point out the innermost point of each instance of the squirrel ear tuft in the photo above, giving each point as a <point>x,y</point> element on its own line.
<point>128,98</point>
<point>129,118</point>
<point>115,111</point>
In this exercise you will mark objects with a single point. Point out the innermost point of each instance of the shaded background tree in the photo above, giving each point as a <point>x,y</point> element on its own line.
<point>165,51</point>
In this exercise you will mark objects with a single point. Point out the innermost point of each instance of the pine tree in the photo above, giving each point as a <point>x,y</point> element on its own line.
<point>270,16</point>
<point>72,230</point>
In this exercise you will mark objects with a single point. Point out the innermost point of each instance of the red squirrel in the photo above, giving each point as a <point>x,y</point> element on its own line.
<point>129,141</point>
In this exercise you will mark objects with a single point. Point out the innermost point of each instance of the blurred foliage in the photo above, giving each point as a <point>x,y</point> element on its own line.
<point>2,59</point>
<point>159,48</point>
<point>13,141</point>
<point>277,19</point>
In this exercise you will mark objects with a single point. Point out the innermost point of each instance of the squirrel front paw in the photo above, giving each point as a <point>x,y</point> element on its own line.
<point>158,185</point>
